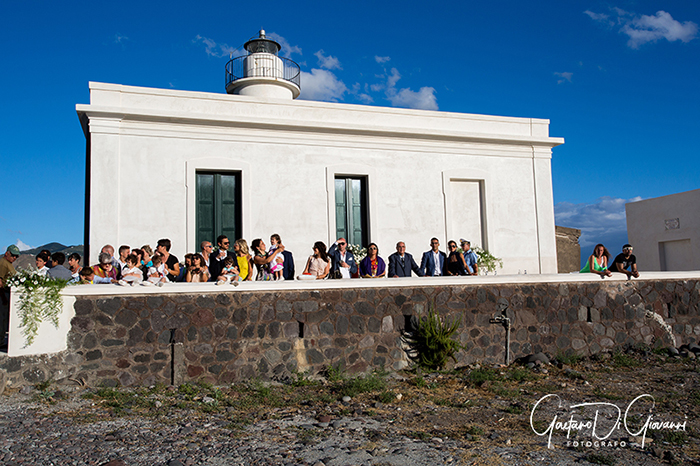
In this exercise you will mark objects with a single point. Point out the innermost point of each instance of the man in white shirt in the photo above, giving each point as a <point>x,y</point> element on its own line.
<point>433,262</point>
<point>344,264</point>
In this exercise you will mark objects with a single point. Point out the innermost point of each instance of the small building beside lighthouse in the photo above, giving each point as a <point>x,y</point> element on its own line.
<point>253,161</point>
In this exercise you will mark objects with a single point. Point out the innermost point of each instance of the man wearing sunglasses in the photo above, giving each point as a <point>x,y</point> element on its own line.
<point>625,262</point>
<point>218,256</point>
<point>344,264</point>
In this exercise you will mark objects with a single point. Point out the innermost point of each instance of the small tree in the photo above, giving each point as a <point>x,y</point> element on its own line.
<point>430,341</point>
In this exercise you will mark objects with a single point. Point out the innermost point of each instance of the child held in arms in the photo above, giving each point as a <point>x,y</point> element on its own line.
<point>277,264</point>
<point>156,272</point>
<point>131,273</point>
<point>229,274</point>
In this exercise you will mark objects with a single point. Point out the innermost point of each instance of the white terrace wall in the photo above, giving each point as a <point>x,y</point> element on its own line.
<point>448,175</point>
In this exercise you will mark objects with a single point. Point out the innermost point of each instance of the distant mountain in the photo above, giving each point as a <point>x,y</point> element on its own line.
<point>26,259</point>
<point>53,247</point>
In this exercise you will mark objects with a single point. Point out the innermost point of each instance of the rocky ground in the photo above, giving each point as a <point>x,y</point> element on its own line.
<point>471,415</point>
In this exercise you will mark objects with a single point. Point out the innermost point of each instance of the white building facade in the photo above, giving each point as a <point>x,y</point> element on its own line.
<point>191,165</point>
<point>665,232</point>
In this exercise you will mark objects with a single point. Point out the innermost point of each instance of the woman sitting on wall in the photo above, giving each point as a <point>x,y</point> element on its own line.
<point>456,265</point>
<point>261,259</point>
<point>245,262</point>
<point>197,272</point>
<point>598,262</point>
<point>105,269</point>
<point>319,264</point>
<point>372,266</point>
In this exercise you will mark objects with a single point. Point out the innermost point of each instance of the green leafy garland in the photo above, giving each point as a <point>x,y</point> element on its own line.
<point>487,261</point>
<point>39,300</point>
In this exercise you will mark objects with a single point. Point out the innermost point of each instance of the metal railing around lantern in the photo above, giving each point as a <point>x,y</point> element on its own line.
<point>262,65</point>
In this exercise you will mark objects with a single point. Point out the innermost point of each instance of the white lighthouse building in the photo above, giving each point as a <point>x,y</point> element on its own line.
<point>190,166</point>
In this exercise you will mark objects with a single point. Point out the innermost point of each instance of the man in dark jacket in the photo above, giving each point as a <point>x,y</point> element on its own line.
<point>344,265</point>
<point>401,263</point>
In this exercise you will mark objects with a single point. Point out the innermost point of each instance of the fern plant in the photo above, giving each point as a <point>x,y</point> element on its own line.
<point>430,341</point>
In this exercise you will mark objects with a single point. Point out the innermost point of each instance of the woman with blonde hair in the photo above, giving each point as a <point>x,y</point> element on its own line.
<point>245,262</point>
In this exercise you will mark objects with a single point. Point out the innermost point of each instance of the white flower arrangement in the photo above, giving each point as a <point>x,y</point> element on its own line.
<point>39,299</point>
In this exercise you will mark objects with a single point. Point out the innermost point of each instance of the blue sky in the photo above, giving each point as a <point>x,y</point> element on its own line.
<point>618,80</point>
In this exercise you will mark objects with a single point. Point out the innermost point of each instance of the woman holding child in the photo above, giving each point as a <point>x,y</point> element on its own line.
<point>262,259</point>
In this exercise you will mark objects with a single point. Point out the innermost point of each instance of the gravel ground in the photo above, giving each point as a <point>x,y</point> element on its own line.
<point>438,419</point>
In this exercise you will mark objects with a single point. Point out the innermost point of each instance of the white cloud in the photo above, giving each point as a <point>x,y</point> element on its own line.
<point>22,245</point>
<point>601,222</point>
<point>565,76</point>
<point>363,97</point>
<point>328,62</point>
<point>213,49</point>
<point>321,85</point>
<point>423,99</point>
<point>642,29</point>
<point>119,39</point>
<point>645,29</point>
<point>287,49</point>
<point>380,60</point>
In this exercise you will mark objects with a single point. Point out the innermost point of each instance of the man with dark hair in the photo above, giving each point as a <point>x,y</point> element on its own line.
<point>433,262</point>
<point>124,252</point>
<point>172,264</point>
<point>218,256</point>
<point>624,261</point>
<point>343,262</point>
<point>57,269</point>
<point>401,263</point>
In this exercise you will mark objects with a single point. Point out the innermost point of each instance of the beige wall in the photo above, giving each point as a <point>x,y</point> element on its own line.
<point>568,249</point>
<point>665,231</point>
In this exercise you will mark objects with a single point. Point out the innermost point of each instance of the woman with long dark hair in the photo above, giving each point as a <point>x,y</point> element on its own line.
<point>598,262</point>
<point>372,266</point>
<point>318,265</point>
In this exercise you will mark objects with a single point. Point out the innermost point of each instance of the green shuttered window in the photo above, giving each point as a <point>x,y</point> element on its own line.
<point>351,210</point>
<point>218,206</point>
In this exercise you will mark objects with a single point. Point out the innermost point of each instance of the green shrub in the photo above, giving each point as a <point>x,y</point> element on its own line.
<point>430,343</point>
<point>362,384</point>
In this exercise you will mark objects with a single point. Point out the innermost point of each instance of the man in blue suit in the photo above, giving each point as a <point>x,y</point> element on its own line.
<point>433,262</point>
<point>344,264</point>
<point>401,263</point>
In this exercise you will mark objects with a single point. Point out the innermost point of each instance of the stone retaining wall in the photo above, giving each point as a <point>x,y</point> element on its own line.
<point>238,335</point>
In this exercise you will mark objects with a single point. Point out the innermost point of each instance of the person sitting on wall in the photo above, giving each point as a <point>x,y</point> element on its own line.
<point>88,276</point>
<point>401,263</point>
<point>598,262</point>
<point>318,265</point>
<point>262,259</point>
<point>625,262</point>
<point>470,257</point>
<point>104,268</point>
<point>455,261</point>
<point>343,261</point>
<point>432,264</point>
<point>372,266</point>
<point>57,269</point>
<point>244,260</point>
<point>172,264</point>
<point>197,272</point>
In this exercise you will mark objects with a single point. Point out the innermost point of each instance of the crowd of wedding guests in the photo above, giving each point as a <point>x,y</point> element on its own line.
<point>224,263</point>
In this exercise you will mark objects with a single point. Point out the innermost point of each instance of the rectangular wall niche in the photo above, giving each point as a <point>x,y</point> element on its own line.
<point>466,212</point>
<point>675,255</point>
